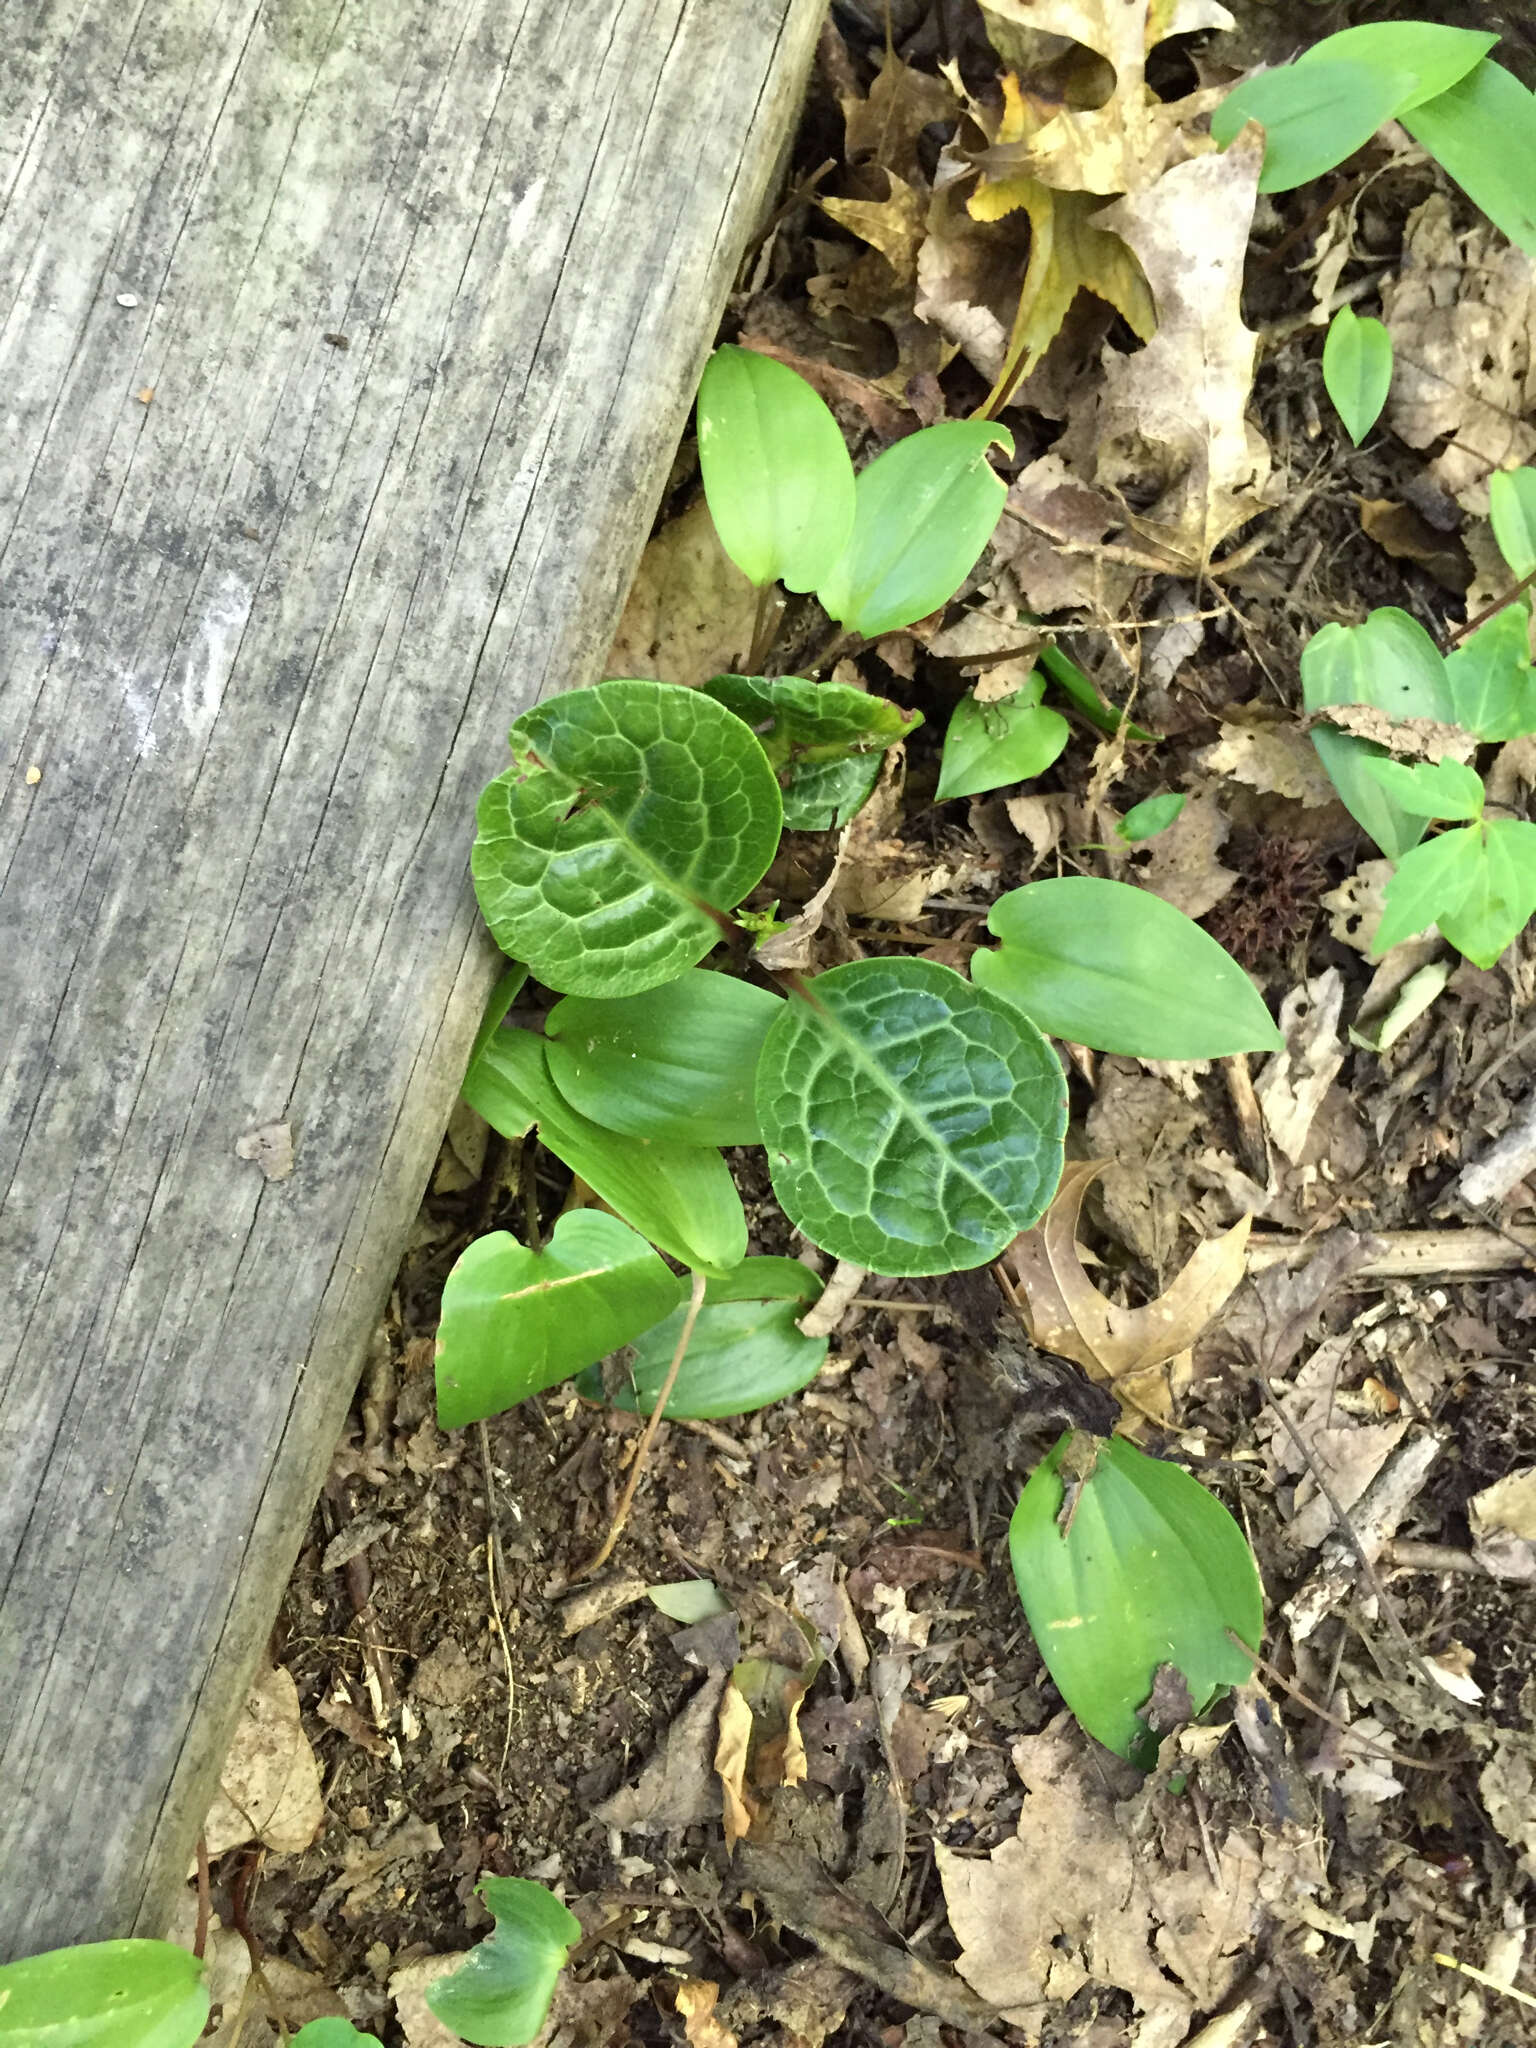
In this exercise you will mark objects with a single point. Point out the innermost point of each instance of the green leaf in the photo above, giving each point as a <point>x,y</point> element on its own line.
<point>1512,509</point>
<point>333,2033</point>
<point>824,741</point>
<point>776,473</point>
<point>913,1123</point>
<point>1389,662</point>
<point>1313,117</point>
<point>1009,740</point>
<point>1146,819</point>
<point>1152,1570</point>
<point>634,816</point>
<point>1080,690</point>
<point>500,1995</point>
<point>1432,789</point>
<point>1107,965</point>
<point>1502,899</point>
<point>1490,678</point>
<point>926,509</point>
<point>688,1600</point>
<point>1432,55</point>
<point>104,1994</point>
<point>681,1197</point>
<point>676,1062</point>
<point>516,1321</point>
<point>1357,370</point>
<point>1430,881</point>
<point>1482,132</point>
<point>745,1350</point>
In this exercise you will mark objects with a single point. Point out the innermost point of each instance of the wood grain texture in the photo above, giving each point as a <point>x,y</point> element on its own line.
<point>267,605</point>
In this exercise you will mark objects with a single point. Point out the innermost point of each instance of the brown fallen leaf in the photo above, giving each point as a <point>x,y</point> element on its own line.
<point>760,1746</point>
<point>1277,760</point>
<point>894,226</point>
<point>677,1788</point>
<point>1410,739</point>
<point>1180,864</point>
<point>690,612</point>
<point>269,1788</point>
<point>1291,1088</point>
<point>1408,536</point>
<point>696,2000</point>
<point>883,128</point>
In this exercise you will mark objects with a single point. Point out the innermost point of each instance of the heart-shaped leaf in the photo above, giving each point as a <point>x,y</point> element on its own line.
<point>1478,884</point>
<point>500,1995</point>
<point>1491,683</point>
<point>823,739</point>
<point>1119,969</point>
<point>926,509</point>
<point>745,1351</point>
<point>913,1123</point>
<point>1141,1567</point>
<point>104,1994</point>
<point>681,1197</point>
<point>1009,740</point>
<point>634,816</point>
<point>516,1321</point>
<point>676,1062</point>
<point>776,473</point>
<point>1357,370</point>
<point>1512,510</point>
<point>1389,662</point>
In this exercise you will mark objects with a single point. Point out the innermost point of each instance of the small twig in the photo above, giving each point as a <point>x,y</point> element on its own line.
<point>1461,633</point>
<point>204,1902</point>
<point>1482,1977</point>
<point>826,1312</point>
<point>648,1435</point>
<point>1403,1554</point>
<point>765,626</point>
<point>495,1576</point>
<point>1357,1742</point>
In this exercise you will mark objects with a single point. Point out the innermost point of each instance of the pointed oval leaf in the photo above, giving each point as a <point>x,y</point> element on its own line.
<point>333,2033</point>
<point>926,509</point>
<point>1490,678</point>
<point>1151,1570</point>
<point>1500,898</point>
<point>104,1994</point>
<point>1434,56</point>
<point>634,814</point>
<point>1357,370</point>
<point>681,1197</point>
<point>776,473</point>
<point>500,1995</point>
<point>1512,509</point>
<point>676,1062</point>
<point>1117,968</point>
<point>1482,133</point>
<point>913,1123</point>
<point>824,741</point>
<point>1010,740</point>
<point>1389,662</point>
<point>745,1351</point>
<point>1153,815</point>
<point>516,1321</point>
<point>1432,789</point>
<point>1428,884</point>
<point>1312,117</point>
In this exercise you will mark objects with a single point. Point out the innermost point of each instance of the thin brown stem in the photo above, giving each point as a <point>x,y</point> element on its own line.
<point>1488,610</point>
<point>204,1902</point>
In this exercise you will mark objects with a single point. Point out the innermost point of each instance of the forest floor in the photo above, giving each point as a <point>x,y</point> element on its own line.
<point>1315,1860</point>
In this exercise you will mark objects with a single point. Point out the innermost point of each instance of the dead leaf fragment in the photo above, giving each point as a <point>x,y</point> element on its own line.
<point>1291,1088</point>
<point>269,1788</point>
<point>902,102</point>
<point>690,611</point>
<point>1181,864</point>
<point>677,1787</point>
<point>270,1146</point>
<point>696,2000</point>
<point>1276,760</point>
<point>1503,1519</point>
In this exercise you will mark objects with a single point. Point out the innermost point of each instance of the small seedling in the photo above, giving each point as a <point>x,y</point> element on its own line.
<point>1153,815</point>
<point>1011,739</point>
<point>500,1995</point>
<point>1357,370</point>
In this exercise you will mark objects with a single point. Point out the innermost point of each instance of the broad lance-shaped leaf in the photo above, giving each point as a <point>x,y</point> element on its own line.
<point>681,1197</point>
<point>104,1994</point>
<point>675,1063</point>
<point>501,1994</point>
<point>1357,370</point>
<point>1010,740</point>
<point>1482,133</point>
<point>776,472</point>
<point>1117,968</point>
<point>1490,678</point>
<point>745,1351</point>
<point>1389,662</point>
<point>1310,122</point>
<point>634,816</point>
<point>823,740</point>
<point>1141,1567</point>
<point>913,1123</point>
<point>1512,511</point>
<point>515,1321</point>
<point>926,509</point>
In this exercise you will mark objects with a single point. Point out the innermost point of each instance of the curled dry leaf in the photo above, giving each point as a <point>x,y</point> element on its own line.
<point>269,1788</point>
<point>696,2001</point>
<point>902,102</point>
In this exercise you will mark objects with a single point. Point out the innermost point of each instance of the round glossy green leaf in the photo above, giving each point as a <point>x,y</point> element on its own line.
<point>681,1197</point>
<point>1512,509</point>
<point>926,509</point>
<point>1010,740</point>
<point>745,1350</point>
<point>500,1995</point>
<point>824,740</point>
<point>1357,370</point>
<point>515,1321</point>
<point>633,815</point>
<point>104,1994</point>
<point>676,1062</point>
<point>776,473</point>
<point>1432,56</point>
<point>1389,662</point>
<point>1152,1570</point>
<point>913,1123</point>
<point>1313,116</point>
<point>1491,682</point>
<point>1482,133</point>
<point>1153,815</point>
<point>1117,968</point>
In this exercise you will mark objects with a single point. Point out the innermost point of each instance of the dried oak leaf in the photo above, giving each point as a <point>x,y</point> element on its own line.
<point>884,127</point>
<point>269,1788</point>
<point>1276,760</point>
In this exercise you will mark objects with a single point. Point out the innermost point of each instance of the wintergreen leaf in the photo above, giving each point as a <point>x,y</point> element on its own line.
<point>1428,883</point>
<point>681,1197</point>
<point>634,815</point>
<point>1502,899</point>
<point>776,473</point>
<point>1490,678</point>
<point>1150,1570</point>
<point>1432,55</point>
<point>1357,370</point>
<point>1008,740</point>
<point>1482,132</point>
<point>1313,118</point>
<point>104,1994</point>
<point>1117,968</point>
<point>515,1321</point>
<point>1431,789</point>
<point>1153,815</point>
<point>913,1123</point>
<point>926,509</point>
<point>824,741</point>
<point>745,1350</point>
<point>499,1996</point>
<point>1389,662</point>
<point>333,2033</point>
<point>675,1062</point>
<point>1512,509</point>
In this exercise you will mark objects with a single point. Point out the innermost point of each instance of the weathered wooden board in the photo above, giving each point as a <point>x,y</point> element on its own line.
<point>268,600</point>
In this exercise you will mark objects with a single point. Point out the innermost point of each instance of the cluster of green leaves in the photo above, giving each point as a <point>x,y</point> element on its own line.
<point>1478,881</point>
<point>1473,117</point>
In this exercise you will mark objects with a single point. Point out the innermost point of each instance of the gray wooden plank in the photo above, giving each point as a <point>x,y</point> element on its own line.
<point>267,605</point>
